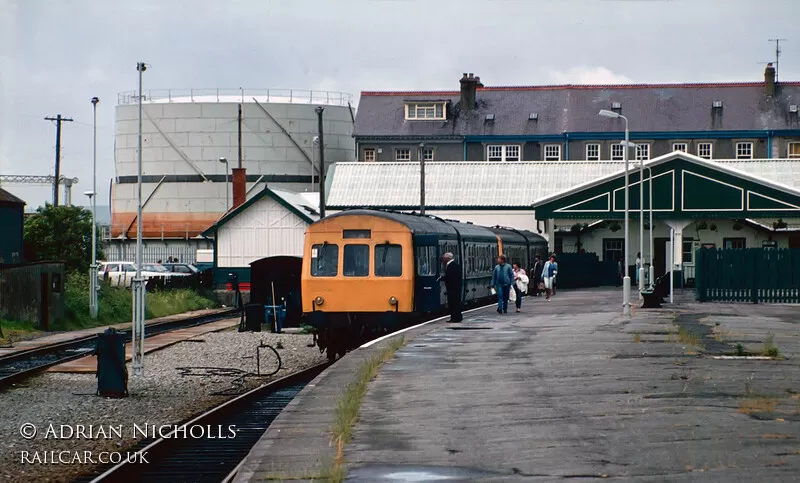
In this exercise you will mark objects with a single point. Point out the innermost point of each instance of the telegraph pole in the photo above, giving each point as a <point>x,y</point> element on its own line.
<point>319,110</point>
<point>239,118</point>
<point>58,119</point>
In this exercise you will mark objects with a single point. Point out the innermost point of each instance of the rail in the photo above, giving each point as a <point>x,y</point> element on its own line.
<point>290,96</point>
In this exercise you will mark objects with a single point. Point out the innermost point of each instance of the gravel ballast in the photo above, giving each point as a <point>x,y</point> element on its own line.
<point>180,382</point>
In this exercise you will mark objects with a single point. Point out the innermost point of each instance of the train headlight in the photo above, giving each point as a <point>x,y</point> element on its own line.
<point>319,300</point>
<point>393,300</point>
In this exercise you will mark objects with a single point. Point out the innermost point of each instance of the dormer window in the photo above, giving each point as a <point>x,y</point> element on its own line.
<point>423,111</point>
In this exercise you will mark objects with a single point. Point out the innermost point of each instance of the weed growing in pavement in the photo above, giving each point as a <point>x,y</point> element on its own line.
<point>348,407</point>
<point>757,405</point>
<point>769,349</point>
<point>739,350</point>
<point>637,338</point>
<point>279,345</point>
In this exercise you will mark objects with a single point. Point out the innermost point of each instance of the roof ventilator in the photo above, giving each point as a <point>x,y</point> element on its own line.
<point>534,116</point>
<point>716,104</point>
<point>489,117</point>
<point>793,108</point>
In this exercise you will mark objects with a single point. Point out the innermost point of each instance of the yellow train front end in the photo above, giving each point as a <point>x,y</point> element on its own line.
<point>358,279</point>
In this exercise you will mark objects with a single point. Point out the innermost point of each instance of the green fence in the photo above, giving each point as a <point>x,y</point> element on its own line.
<point>749,275</point>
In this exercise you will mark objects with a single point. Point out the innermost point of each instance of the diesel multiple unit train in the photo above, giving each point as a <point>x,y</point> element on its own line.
<point>368,271</point>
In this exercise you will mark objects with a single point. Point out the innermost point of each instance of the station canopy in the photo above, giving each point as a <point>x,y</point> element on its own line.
<point>684,187</point>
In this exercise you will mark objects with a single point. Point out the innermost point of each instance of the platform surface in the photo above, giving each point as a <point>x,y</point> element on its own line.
<point>569,389</point>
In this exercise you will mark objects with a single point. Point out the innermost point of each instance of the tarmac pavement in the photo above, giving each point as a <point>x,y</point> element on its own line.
<point>572,389</point>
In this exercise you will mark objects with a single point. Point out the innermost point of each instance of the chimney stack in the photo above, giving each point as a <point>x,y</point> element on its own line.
<point>769,80</point>
<point>239,187</point>
<point>469,84</point>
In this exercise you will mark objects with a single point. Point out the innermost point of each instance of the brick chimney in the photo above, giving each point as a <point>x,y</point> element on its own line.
<point>769,80</point>
<point>469,84</point>
<point>239,187</point>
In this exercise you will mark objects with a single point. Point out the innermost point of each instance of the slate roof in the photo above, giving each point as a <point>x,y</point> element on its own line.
<point>8,198</point>
<point>495,185</point>
<point>574,108</point>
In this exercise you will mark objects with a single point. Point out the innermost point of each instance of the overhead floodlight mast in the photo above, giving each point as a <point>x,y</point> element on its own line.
<point>137,341</point>
<point>626,280</point>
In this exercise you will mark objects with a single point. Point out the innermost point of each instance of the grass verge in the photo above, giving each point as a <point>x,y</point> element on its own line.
<point>14,330</point>
<point>349,406</point>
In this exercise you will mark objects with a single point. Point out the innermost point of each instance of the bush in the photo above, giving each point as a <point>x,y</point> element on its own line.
<point>116,303</point>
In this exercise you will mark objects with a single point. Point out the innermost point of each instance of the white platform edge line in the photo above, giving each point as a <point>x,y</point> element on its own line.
<point>372,342</point>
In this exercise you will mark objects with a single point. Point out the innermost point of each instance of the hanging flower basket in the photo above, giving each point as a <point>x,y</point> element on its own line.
<point>713,227</point>
<point>702,225</point>
<point>779,224</point>
<point>614,226</point>
<point>737,226</point>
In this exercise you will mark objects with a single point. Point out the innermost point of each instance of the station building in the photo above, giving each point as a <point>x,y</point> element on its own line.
<point>729,154</point>
<point>12,223</point>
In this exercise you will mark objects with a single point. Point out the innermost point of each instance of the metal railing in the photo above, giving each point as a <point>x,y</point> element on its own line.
<point>291,96</point>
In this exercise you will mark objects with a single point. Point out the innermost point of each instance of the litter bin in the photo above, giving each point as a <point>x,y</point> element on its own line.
<point>275,316</point>
<point>254,317</point>
<point>112,373</point>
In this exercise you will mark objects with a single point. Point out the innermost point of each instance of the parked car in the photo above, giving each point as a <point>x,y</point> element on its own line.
<point>121,274</point>
<point>181,268</point>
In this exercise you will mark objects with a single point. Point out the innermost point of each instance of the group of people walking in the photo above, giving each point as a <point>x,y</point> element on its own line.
<point>509,283</point>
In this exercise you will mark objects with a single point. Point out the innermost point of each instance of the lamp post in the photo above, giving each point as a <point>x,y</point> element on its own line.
<point>137,340</point>
<point>626,280</point>
<point>225,162</point>
<point>315,143</point>
<point>93,307</point>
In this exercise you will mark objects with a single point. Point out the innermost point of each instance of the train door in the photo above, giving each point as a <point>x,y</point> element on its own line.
<point>426,285</point>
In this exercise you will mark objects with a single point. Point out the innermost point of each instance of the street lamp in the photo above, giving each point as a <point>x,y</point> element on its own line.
<point>315,143</point>
<point>137,340</point>
<point>225,162</point>
<point>93,307</point>
<point>626,280</point>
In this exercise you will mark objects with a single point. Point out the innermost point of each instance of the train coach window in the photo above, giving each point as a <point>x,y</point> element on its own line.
<point>356,260</point>
<point>426,261</point>
<point>388,260</point>
<point>324,260</point>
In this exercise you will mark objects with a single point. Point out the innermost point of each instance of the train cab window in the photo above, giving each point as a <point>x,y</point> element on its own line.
<point>426,261</point>
<point>356,260</point>
<point>324,260</point>
<point>388,260</point>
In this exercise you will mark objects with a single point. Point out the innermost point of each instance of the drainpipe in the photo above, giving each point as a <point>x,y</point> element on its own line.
<point>769,144</point>
<point>566,146</point>
<point>465,150</point>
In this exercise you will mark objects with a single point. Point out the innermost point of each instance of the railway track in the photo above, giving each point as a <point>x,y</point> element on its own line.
<point>175,458</point>
<point>21,365</point>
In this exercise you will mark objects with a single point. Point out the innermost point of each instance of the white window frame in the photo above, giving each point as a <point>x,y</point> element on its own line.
<point>616,157</point>
<point>710,150</point>
<point>397,156</point>
<point>552,156</point>
<point>642,151</point>
<point>789,150</point>
<point>374,155</point>
<point>504,152</point>
<point>685,146</point>
<point>745,145</point>
<point>426,111</point>
<point>593,157</point>
<point>427,154</point>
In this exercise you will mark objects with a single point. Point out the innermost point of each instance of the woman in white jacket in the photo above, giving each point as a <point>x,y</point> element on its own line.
<point>520,284</point>
<point>549,273</point>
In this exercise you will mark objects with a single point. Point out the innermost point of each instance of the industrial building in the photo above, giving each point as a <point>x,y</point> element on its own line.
<point>185,186</point>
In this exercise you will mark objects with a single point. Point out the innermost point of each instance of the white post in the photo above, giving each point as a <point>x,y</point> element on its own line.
<point>671,262</point>
<point>93,307</point>
<point>652,268</point>
<point>641,227</point>
<point>137,342</point>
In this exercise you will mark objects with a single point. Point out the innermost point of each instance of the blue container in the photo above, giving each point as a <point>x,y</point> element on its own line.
<point>270,313</point>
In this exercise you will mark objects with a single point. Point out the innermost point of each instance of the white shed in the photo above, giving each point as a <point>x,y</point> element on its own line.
<point>271,223</point>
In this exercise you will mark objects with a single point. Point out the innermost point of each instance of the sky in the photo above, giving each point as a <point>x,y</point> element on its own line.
<point>56,55</point>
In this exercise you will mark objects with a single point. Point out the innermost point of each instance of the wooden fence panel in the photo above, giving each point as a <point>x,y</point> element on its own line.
<point>748,275</point>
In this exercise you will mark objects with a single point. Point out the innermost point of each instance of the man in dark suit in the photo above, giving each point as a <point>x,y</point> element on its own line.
<point>452,283</point>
